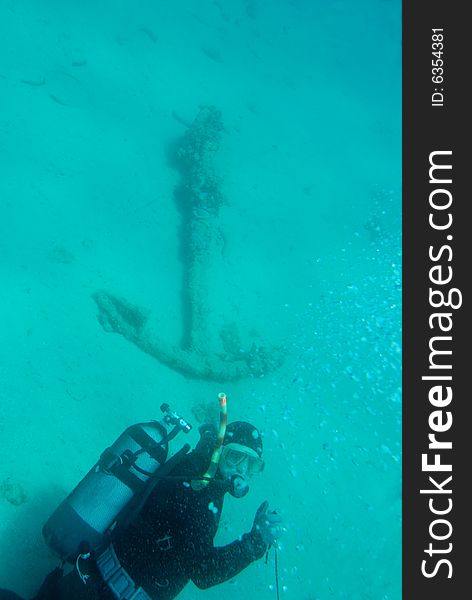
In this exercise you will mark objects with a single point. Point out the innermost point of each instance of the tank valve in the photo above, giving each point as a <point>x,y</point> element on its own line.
<point>172,418</point>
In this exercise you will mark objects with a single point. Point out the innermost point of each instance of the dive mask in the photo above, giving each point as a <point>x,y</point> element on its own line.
<point>241,459</point>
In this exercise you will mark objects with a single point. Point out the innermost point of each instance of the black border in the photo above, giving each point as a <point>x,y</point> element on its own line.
<point>426,129</point>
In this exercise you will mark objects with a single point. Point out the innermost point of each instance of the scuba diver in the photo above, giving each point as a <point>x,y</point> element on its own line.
<point>166,538</point>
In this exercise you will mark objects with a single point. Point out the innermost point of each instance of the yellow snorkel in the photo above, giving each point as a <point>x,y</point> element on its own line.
<point>199,484</point>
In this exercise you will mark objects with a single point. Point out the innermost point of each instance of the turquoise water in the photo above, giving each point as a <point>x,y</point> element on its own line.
<point>307,257</point>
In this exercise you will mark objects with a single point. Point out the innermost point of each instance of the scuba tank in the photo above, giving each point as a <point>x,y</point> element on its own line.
<point>104,499</point>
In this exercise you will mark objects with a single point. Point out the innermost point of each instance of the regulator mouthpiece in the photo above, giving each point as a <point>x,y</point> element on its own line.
<point>238,487</point>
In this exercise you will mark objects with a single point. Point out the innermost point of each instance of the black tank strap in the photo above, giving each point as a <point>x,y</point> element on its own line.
<point>119,466</point>
<point>157,451</point>
<point>123,473</point>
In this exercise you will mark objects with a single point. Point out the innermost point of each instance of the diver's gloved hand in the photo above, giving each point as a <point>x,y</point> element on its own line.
<point>268,523</point>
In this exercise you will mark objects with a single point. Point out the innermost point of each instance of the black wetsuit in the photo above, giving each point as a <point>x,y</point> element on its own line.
<point>170,542</point>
